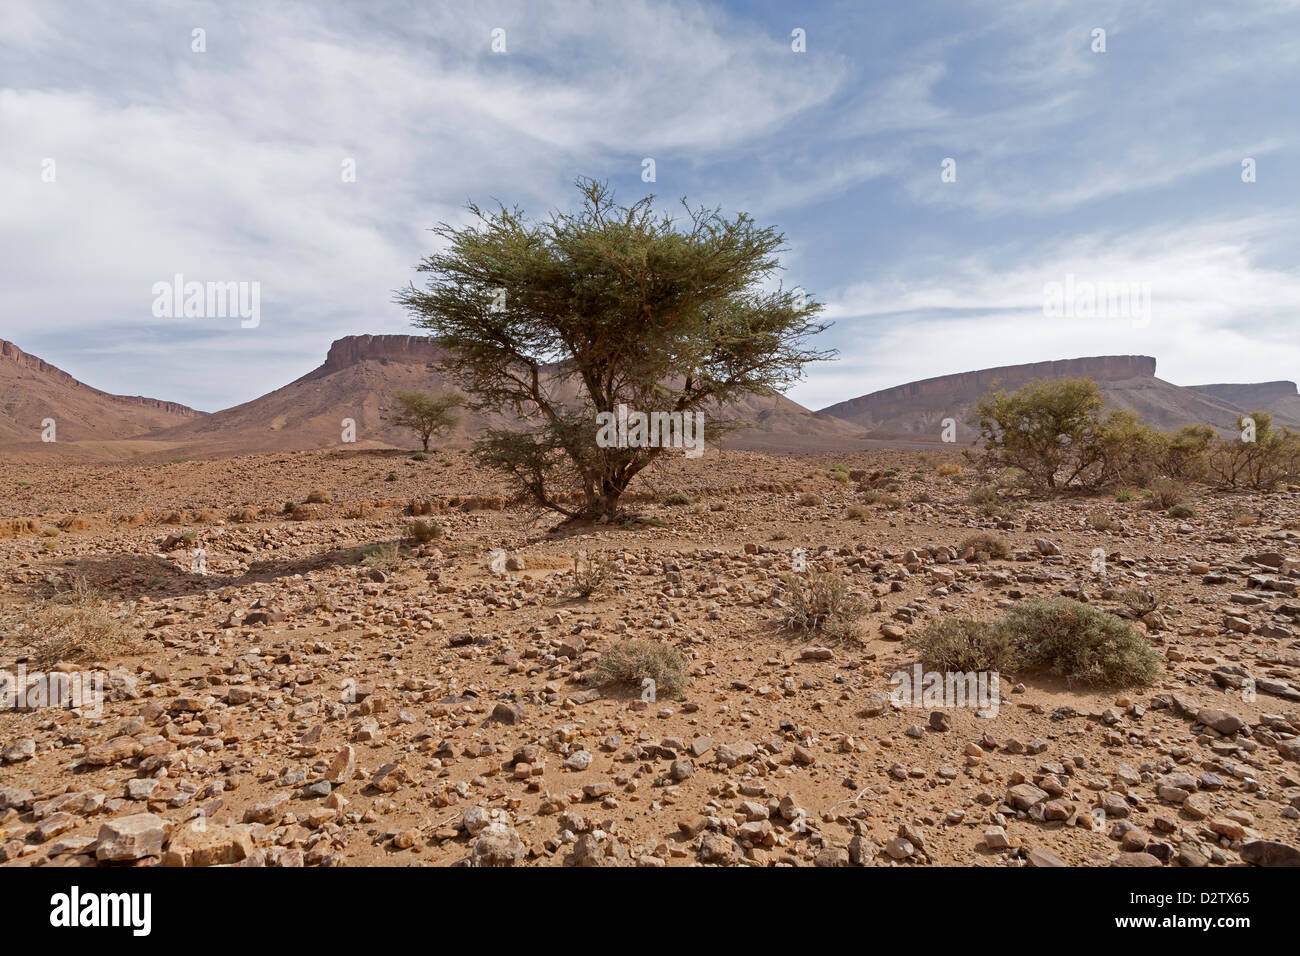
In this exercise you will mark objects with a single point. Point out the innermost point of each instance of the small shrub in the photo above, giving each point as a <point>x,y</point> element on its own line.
<point>820,601</point>
<point>945,470</point>
<point>991,544</point>
<point>1099,521</point>
<point>1081,643</point>
<point>631,661</point>
<point>961,644</point>
<point>1167,492</point>
<point>1242,517</point>
<point>420,456</point>
<point>1182,512</point>
<point>592,575</point>
<point>422,531</point>
<point>386,557</point>
<point>857,512</point>
<point>809,500</point>
<point>678,499</point>
<point>71,625</point>
<point>1124,495</point>
<point>317,497</point>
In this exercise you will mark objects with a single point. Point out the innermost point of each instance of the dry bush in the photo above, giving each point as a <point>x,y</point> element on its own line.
<point>70,625</point>
<point>631,661</point>
<point>1138,601</point>
<point>1100,521</point>
<point>1167,492</point>
<point>385,556</point>
<point>991,544</point>
<point>245,514</point>
<point>423,531</point>
<point>679,499</point>
<point>1242,517</point>
<point>809,500</point>
<point>946,470</point>
<point>821,602</point>
<point>592,575</point>
<point>1066,638</point>
<point>1081,643</point>
<point>962,644</point>
<point>318,497</point>
<point>857,512</point>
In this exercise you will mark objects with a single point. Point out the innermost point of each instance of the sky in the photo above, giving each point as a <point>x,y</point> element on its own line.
<point>940,171</point>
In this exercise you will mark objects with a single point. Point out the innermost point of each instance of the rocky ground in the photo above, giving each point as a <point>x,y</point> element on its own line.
<point>294,706</point>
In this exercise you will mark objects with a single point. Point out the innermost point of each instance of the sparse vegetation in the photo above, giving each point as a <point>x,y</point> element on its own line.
<point>72,624</point>
<point>1059,636</point>
<point>591,575</point>
<point>384,556</point>
<point>990,544</point>
<point>678,499</point>
<point>631,661</point>
<point>422,531</point>
<point>427,413</point>
<point>1081,643</point>
<point>820,602</point>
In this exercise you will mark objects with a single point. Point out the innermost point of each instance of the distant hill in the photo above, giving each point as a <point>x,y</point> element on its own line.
<point>916,410</point>
<point>32,390</point>
<point>361,372</point>
<point>1280,398</point>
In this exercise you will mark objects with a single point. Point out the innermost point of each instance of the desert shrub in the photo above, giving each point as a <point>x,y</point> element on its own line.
<point>1182,512</point>
<point>1100,521</point>
<point>1184,453</point>
<point>1083,644</point>
<point>50,531</point>
<point>922,498</point>
<point>70,625</point>
<point>1124,495</point>
<point>422,531</point>
<point>962,644</point>
<point>592,575</point>
<point>391,476</point>
<point>839,473</point>
<point>420,456</point>
<point>1258,457</point>
<point>172,517</point>
<point>984,496</point>
<point>1167,492</point>
<point>245,514</point>
<point>384,556</point>
<point>857,512</point>
<point>1138,600</point>
<point>318,497</point>
<point>1128,451</point>
<point>820,601</point>
<point>679,499</point>
<point>1239,516</point>
<point>991,544</point>
<point>809,500</point>
<point>946,470</point>
<point>631,661</point>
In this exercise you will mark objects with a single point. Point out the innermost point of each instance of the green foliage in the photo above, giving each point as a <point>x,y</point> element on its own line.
<point>426,413</point>
<point>620,304</point>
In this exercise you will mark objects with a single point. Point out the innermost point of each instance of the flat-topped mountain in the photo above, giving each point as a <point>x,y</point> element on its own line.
<point>361,372</point>
<point>916,411</point>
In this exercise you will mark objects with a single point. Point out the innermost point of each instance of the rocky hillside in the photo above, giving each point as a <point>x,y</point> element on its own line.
<point>32,390</point>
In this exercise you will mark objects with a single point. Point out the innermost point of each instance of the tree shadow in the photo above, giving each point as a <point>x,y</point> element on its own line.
<point>129,576</point>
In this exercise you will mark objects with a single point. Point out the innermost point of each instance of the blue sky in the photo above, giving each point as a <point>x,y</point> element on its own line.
<point>225,165</point>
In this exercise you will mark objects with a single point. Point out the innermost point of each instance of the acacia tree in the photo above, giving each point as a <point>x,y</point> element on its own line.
<point>427,413</point>
<point>560,319</point>
<point>1052,431</point>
